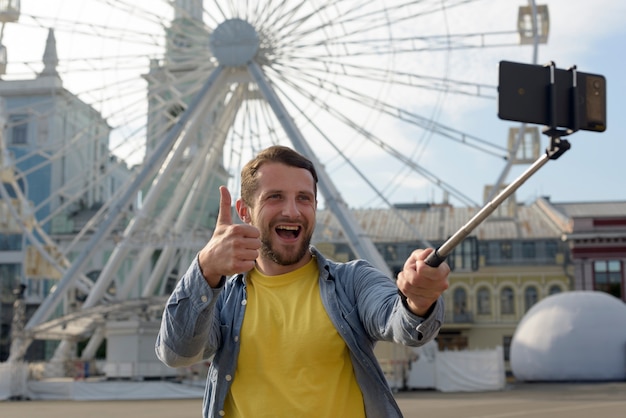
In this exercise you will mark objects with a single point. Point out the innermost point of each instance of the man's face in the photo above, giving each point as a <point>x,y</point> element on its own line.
<point>284,211</point>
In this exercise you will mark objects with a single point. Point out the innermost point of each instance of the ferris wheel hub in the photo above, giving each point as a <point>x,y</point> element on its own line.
<point>234,42</point>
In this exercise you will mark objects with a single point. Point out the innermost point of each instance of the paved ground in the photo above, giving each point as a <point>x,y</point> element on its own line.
<point>546,400</point>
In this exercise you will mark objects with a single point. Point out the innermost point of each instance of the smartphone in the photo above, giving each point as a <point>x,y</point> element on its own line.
<point>525,92</point>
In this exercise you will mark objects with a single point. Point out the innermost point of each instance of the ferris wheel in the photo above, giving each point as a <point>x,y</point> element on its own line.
<point>381,95</point>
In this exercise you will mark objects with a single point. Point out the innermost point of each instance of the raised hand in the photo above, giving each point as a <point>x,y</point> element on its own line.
<point>421,283</point>
<point>232,249</point>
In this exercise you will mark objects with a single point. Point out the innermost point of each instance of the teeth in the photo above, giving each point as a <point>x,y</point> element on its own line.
<point>288,228</point>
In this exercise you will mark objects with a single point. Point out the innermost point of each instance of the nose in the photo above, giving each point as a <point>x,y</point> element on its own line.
<point>290,209</point>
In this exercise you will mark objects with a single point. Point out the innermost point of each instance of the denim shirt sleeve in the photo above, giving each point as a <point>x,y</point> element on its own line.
<point>187,328</point>
<point>385,316</point>
<point>419,330</point>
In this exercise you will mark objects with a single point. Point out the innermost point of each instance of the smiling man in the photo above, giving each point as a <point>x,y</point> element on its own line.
<point>292,333</point>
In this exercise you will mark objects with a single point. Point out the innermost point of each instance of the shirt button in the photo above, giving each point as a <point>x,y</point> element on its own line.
<point>222,413</point>
<point>244,302</point>
<point>204,298</point>
<point>236,338</point>
<point>228,378</point>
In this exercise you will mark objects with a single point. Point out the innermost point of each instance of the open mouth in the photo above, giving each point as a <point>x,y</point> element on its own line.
<point>288,231</point>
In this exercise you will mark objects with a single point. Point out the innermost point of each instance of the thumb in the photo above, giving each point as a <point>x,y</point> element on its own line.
<point>224,216</point>
<point>423,255</point>
<point>417,256</point>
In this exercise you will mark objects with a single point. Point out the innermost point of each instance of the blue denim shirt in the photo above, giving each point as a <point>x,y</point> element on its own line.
<point>363,304</point>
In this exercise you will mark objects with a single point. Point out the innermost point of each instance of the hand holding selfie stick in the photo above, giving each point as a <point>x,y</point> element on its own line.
<point>557,147</point>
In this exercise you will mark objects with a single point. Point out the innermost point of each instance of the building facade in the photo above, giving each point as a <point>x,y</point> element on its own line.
<point>57,169</point>
<point>596,236</point>
<point>511,261</point>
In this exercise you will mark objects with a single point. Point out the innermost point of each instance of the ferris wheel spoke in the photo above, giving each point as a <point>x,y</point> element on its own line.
<point>404,115</point>
<point>96,31</point>
<point>283,16</point>
<point>400,156</point>
<point>385,75</point>
<point>374,47</point>
<point>361,81</point>
<point>383,145</point>
<point>367,18</point>
<point>379,193</point>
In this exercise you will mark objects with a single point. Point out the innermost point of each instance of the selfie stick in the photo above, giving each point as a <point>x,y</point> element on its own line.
<point>557,147</point>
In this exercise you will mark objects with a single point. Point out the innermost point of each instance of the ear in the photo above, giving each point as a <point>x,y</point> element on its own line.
<point>243,211</point>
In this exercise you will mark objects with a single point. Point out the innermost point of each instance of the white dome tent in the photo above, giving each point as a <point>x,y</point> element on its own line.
<point>572,336</point>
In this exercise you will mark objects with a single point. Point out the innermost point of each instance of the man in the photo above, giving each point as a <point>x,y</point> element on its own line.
<point>292,333</point>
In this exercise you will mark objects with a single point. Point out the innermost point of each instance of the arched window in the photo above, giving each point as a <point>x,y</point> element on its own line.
<point>530,297</point>
<point>460,301</point>
<point>554,289</point>
<point>483,301</point>
<point>507,301</point>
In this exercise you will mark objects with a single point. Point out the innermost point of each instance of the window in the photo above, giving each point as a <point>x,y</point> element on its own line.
<point>507,302</point>
<point>483,301</point>
<point>10,242</point>
<point>506,250</point>
<point>9,279</point>
<point>465,255</point>
<point>390,253</point>
<point>528,250</point>
<point>34,289</point>
<point>551,249</point>
<point>452,340</point>
<point>608,277</point>
<point>19,129</point>
<point>506,346</point>
<point>554,289</point>
<point>460,304</point>
<point>530,297</point>
<point>181,41</point>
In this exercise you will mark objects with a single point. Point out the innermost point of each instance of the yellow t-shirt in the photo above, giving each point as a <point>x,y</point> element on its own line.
<point>292,362</point>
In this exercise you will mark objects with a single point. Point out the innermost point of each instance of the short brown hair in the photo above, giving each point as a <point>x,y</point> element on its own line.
<point>273,154</point>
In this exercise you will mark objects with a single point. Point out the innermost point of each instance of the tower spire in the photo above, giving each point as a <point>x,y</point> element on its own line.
<point>50,57</point>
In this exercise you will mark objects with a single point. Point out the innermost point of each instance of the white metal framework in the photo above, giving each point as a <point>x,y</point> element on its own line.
<point>371,91</point>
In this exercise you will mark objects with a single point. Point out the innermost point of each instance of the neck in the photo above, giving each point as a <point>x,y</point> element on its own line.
<point>271,268</point>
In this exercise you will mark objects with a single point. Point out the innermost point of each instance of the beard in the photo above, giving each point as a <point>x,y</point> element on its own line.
<point>285,256</point>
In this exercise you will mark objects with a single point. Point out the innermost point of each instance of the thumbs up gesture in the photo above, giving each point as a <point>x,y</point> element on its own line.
<point>232,249</point>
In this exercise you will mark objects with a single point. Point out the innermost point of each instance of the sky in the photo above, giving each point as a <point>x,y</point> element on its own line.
<point>590,35</point>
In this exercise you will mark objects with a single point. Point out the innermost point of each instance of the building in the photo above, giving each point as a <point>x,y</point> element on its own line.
<point>57,169</point>
<point>512,260</point>
<point>596,236</point>
<point>60,146</point>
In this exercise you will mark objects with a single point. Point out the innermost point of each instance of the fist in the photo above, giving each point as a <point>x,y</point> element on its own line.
<point>232,249</point>
<point>420,283</point>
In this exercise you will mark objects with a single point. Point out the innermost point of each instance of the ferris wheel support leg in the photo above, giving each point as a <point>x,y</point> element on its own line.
<point>19,345</point>
<point>63,351</point>
<point>360,243</point>
<point>94,343</point>
<point>116,211</point>
<point>213,150</point>
<point>176,141</point>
